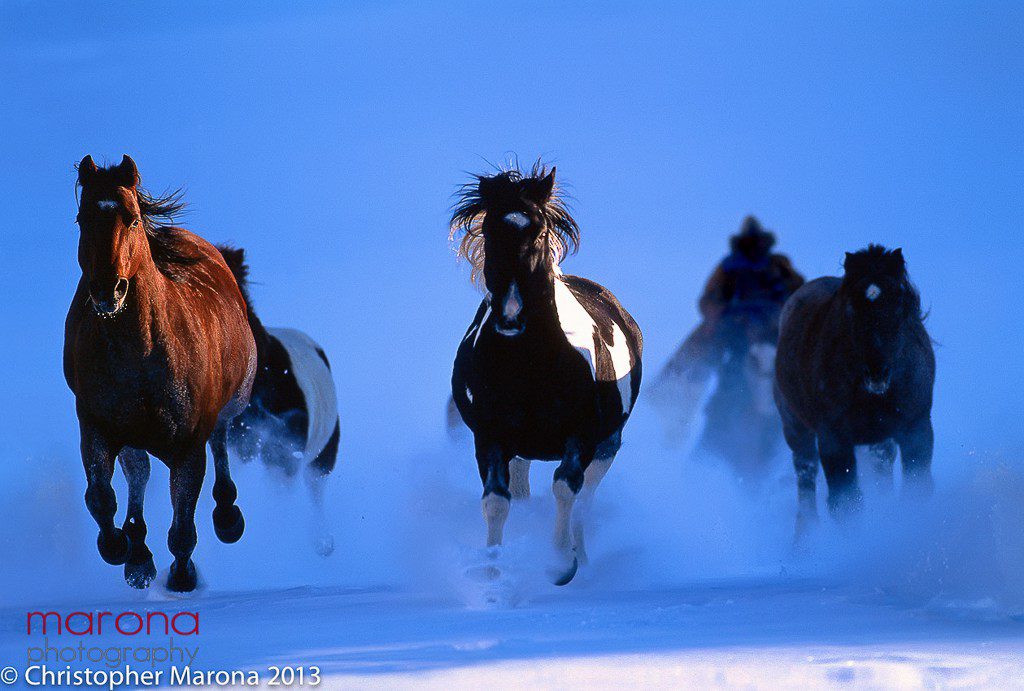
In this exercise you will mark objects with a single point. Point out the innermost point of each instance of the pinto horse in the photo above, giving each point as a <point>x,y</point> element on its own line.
<point>855,367</point>
<point>292,417</point>
<point>160,357</point>
<point>550,366</point>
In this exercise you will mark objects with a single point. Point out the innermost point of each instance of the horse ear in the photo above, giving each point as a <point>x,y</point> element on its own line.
<point>846,261</point>
<point>127,172</point>
<point>541,190</point>
<point>86,170</point>
<point>486,187</point>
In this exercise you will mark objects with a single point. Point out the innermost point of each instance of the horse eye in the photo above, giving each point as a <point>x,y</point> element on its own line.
<point>135,222</point>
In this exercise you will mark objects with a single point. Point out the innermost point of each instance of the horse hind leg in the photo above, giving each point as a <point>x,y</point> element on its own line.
<point>228,522</point>
<point>139,570</point>
<point>186,482</point>
<point>98,458</point>
<point>519,470</point>
<point>316,474</point>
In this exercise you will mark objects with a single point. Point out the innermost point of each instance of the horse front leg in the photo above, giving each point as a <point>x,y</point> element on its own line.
<point>883,457</point>
<point>839,462</point>
<point>492,461</point>
<point>228,522</point>
<point>804,445</point>
<point>568,482</point>
<point>98,458</point>
<point>916,447</point>
<point>139,570</point>
<point>186,482</point>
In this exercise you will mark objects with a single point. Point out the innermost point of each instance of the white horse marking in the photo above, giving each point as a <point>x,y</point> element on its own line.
<point>872,292</point>
<point>517,219</point>
<point>483,320</point>
<point>469,394</point>
<point>107,204</point>
<point>317,386</point>
<point>513,302</point>
<point>495,510</point>
<point>579,329</point>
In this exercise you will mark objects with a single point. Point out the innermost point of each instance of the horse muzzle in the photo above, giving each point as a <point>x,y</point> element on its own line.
<point>509,328</point>
<point>509,319</point>
<point>878,386</point>
<point>108,304</point>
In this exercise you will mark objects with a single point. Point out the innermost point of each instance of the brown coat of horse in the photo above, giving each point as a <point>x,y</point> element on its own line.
<point>159,355</point>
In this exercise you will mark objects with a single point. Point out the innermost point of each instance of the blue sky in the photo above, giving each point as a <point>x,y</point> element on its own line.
<point>328,142</point>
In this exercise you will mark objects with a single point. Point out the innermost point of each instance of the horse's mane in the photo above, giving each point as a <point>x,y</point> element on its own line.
<point>172,247</point>
<point>562,232</point>
<point>234,257</point>
<point>878,258</point>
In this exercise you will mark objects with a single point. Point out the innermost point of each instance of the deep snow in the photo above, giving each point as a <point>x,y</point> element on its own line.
<point>693,581</point>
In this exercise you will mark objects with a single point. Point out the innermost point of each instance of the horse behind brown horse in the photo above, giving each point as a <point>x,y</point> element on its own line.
<point>159,355</point>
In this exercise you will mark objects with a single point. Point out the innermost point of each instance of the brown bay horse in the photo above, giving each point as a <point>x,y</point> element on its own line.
<point>160,357</point>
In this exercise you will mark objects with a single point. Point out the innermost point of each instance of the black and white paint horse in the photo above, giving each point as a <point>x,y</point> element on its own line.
<point>550,367</point>
<point>292,419</point>
<point>855,367</point>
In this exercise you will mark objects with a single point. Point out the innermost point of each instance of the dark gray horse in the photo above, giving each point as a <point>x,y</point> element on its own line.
<point>855,367</point>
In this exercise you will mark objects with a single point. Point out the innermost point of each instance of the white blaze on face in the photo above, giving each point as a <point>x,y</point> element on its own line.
<point>579,328</point>
<point>872,292</point>
<point>517,219</point>
<point>513,304</point>
<point>107,204</point>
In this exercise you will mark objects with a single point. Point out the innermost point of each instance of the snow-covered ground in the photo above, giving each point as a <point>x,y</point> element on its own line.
<point>693,582</point>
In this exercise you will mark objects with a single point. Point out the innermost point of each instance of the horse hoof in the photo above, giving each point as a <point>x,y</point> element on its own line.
<point>114,550</point>
<point>182,580</point>
<point>564,577</point>
<point>140,575</point>
<point>324,546</point>
<point>228,524</point>
<point>484,573</point>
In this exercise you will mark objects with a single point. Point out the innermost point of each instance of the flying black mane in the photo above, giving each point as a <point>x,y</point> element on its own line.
<point>172,249</point>
<point>471,206</point>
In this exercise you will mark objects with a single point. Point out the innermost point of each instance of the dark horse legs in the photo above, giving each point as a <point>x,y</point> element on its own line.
<point>228,522</point>
<point>916,447</point>
<point>139,570</point>
<point>492,462</point>
<point>804,446</point>
<point>98,458</point>
<point>186,481</point>
<point>839,463</point>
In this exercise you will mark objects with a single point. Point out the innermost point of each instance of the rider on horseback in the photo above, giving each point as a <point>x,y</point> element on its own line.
<point>746,290</point>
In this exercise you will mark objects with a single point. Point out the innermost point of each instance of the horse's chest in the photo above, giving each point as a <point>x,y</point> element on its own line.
<point>541,391</point>
<point>138,393</point>
<point>872,419</point>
